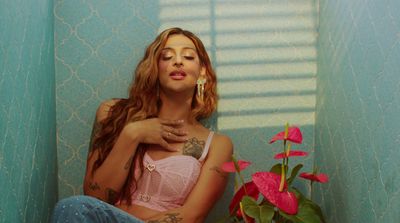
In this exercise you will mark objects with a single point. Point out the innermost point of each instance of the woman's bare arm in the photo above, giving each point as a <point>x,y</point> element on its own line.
<point>208,189</point>
<point>108,179</point>
<point>106,182</point>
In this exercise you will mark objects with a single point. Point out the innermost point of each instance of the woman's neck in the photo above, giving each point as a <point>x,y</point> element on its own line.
<point>176,108</point>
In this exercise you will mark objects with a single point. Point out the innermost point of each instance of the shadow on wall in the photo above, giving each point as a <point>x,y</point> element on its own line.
<point>265,57</point>
<point>263,52</point>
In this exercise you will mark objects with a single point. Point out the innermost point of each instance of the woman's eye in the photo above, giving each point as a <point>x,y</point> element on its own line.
<point>166,58</point>
<point>189,57</point>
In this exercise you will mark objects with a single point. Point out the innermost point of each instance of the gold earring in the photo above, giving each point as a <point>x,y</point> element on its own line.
<point>200,87</point>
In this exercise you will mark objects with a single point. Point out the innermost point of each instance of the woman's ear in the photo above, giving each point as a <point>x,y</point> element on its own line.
<point>203,71</point>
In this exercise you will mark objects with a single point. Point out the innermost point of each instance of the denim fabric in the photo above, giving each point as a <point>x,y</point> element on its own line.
<point>86,209</point>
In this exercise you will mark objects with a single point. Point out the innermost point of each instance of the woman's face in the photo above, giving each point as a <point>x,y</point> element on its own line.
<point>179,66</point>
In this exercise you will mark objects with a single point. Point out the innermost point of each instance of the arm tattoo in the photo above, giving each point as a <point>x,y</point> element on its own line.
<point>193,147</point>
<point>111,196</point>
<point>94,186</point>
<point>219,171</point>
<point>169,218</point>
<point>95,131</point>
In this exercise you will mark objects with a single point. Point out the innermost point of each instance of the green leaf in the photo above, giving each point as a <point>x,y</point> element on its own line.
<point>308,211</point>
<point>262,214</point>
<point>276,168</point>
<point>293,175</point>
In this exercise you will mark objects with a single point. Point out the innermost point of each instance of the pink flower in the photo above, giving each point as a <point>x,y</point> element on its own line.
<point>322,178</point>
<point>251,190</point>
<point>294,135</point>
<point>230,166</point>
<point>291,153</point>
<point>268,184</point>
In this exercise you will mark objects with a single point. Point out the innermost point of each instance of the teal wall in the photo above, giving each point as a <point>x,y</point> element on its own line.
<point>28,172</point>
<point>264,53</point>
<point>97,44</point>
<point>358,106</point>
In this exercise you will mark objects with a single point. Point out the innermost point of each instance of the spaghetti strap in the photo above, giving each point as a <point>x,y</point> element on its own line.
<point>207,146</point>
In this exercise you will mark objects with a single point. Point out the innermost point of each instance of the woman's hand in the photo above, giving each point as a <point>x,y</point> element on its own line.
<point>157,131</point>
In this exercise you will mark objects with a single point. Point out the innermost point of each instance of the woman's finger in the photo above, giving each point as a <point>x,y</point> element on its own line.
<point>172,122</point>
<point>175,131</point>
<point>170,136</point>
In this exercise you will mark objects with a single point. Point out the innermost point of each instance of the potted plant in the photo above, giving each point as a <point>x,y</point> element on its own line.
<point>270,196</point>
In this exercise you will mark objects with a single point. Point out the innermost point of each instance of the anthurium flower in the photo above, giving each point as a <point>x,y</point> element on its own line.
<point>252,191</point>
<point>294,135</point>
<point>230,166</point>
<point>291,153</point>
<point>322,178</point>
<point>268,184</point>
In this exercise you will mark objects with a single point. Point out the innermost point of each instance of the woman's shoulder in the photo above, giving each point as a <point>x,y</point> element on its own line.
<point>105,107</point>
<point>222,143</point>
<point>219,137</point>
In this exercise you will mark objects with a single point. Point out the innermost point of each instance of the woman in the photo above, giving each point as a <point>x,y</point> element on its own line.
<point>150,156</point>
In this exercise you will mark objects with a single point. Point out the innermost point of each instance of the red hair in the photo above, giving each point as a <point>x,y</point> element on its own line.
<point>143,102</point>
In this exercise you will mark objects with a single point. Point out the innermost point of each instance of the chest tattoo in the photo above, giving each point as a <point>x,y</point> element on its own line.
<point>193,147</point>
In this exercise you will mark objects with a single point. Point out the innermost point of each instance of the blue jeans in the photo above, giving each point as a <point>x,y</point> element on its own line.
<point>86,209</point>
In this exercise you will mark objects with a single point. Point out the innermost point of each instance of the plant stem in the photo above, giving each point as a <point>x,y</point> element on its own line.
<point>244,185</point>
<point>240,175</point>
<point>311,189</point>
<point>283,167</point>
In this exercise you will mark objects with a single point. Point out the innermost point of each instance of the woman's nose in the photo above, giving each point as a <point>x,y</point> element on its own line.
<point>178,61</point>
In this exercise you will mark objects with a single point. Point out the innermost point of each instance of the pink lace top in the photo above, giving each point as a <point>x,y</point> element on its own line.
<point>167,182</point>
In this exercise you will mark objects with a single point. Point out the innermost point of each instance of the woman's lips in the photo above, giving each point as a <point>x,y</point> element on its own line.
<point>177,75</point>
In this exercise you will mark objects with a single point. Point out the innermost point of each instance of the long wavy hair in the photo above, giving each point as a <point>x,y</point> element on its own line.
<point>143,103</point>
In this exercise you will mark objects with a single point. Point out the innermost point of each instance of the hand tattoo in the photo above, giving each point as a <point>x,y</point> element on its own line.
<point>193,147</point>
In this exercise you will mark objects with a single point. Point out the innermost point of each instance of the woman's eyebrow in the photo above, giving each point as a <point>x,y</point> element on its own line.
<point>184,48</point>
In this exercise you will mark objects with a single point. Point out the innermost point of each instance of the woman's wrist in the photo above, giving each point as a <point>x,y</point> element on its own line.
<point>131,132</point>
